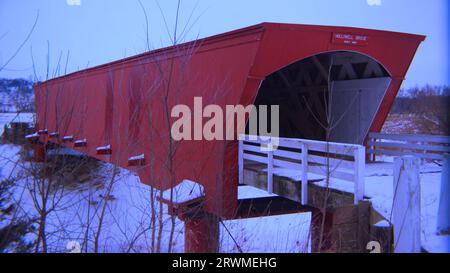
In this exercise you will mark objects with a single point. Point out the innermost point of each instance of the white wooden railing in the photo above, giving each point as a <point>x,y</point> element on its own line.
<point>330,159</point>
<point>422,146</point>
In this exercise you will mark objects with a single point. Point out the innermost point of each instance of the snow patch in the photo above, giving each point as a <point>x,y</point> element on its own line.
<point>382,223</point>
<point>104,148</point>
<point>248,192</point>
<point>137,157</point>
<point>184,192</point>
<point>32,136</point>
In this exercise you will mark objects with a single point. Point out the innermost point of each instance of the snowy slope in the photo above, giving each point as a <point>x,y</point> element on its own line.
<point>127,219</point>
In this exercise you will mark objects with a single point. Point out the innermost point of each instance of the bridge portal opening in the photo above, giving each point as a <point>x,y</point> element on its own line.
<point>331,96</point>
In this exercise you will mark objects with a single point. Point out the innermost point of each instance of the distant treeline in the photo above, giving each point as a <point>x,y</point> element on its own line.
<point>430,107</point>
<point>416,100</point>
<point>16,85</point>
<point>407,105</point>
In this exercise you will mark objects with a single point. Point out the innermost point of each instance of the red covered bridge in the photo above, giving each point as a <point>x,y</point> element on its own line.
<point>120,112</point>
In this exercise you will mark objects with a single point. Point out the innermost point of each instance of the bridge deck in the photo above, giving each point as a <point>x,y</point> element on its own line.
<point>287,183</point>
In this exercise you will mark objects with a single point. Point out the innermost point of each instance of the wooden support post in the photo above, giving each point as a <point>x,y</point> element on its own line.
<point>349,228</point>
<point>241,161</point>
<point>381,232</point>
<point>40,152</point>
<point>320,239</point>
<point>270,167</point>
<point>360,164</point>
<point>406,205</point>
<point>5,134</point>
<point>304,159</point>
<point>363,225</point>
<point>201,233</point>
<point>372,147</point>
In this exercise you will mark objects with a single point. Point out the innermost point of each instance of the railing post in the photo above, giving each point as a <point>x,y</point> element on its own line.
<point>422,160</point>
<point>372,147</point>
<point>304,158</point>
<point>270,167</point>
<point>360,164</point>
<point>241,161</point>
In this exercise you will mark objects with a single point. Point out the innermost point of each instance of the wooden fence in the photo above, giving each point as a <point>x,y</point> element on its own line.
<point>329,159</point>
<point>421,146</point>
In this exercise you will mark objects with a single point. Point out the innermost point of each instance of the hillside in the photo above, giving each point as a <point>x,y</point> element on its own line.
<point>16,95</point>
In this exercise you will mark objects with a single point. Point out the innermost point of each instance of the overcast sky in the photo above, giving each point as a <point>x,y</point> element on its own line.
<point>98,31</point>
